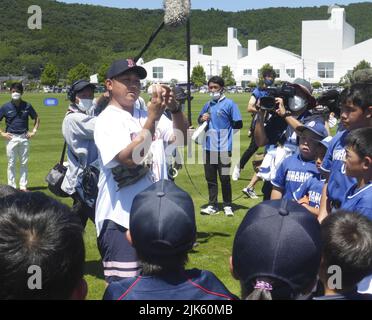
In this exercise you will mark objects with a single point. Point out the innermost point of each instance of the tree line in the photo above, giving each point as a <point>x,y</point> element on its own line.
<point>89,38</point>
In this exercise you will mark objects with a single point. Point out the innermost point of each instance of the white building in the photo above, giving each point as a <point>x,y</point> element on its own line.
<point>329,50</point>
<point>328,53</point>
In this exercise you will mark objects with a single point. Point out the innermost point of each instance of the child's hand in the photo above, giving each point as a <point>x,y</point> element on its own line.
<point>304,200</point>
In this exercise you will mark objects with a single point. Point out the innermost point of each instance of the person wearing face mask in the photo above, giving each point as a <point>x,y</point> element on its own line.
<point>78,131</point>
<point>223,117</point>
<point>16,114</point>
<point>278,133</point>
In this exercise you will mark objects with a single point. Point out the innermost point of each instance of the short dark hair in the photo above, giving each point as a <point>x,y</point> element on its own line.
<point>38,230</point>
<point>269,73</point>
<point>360,94</point>
<point>347,243</point>
<point>361,141</point>
<point>218,80</point>
<point>17,86</point>
<point>161,265</point>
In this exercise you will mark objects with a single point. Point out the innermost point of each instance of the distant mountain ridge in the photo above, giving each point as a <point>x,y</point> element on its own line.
<point>95,35</point>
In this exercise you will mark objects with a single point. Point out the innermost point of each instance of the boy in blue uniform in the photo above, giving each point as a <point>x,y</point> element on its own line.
<point>347,244</point>
<point>223,118</point>
<point>356,112</point>
<point>358,164</point>
<point>163,230</point>
<point>298,168</point>
<point>310,192</point>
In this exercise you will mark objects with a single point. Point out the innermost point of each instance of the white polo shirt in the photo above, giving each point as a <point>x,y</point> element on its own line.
<point>114,131</point>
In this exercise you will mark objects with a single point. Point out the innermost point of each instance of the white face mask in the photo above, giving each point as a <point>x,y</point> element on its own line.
<point>215,95</point>
<point>85,104</point>
<point>16,96</point>
<point>296,103</point>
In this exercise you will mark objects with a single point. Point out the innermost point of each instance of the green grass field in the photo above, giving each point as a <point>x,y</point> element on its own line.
<point>215,233</point>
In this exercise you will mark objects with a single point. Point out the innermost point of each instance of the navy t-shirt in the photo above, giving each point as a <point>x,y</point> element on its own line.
<point>192,285</point>
<point>16,118</point>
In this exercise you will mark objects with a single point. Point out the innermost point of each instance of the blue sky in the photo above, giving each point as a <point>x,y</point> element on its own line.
<point>226,5</point>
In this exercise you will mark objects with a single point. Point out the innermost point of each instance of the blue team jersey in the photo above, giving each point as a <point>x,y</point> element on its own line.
<point>359,200</point>
<point>220,131</point>
<point>313,189</point>
<point>334,163</point>
<point>192,285</point>
<point>292,173</point>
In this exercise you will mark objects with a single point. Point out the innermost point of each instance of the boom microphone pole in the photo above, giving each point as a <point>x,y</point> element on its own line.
<point>176,13</point>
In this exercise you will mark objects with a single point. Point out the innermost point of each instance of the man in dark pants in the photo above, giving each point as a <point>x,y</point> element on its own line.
<point>223,117</point>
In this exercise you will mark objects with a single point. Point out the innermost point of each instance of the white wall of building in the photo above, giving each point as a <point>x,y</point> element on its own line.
<point>164,70</point>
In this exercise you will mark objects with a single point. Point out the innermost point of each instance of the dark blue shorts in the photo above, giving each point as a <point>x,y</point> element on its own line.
<point>119,258</point>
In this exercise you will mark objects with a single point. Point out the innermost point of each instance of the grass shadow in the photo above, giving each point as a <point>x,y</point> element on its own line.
<point>205,237</point>
<point>94,268</point>
<point>37,188</point>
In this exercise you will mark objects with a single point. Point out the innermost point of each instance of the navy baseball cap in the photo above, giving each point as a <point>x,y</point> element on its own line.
<point>81,84</point>
<point>325,142</point>
<point>281,240</point>
<point>162,220</point>
<point>125,65</point>
<point>316,127</point>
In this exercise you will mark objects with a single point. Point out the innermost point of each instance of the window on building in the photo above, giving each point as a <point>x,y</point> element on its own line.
<point>277,72</point>
<point>157,72</point>
<point>247,72</point>
<point>291,73</point>
<point>200,50</point>
<point>326,69</point>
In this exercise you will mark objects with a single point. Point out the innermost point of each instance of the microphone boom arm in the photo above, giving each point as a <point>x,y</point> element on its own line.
<point>151,40</point>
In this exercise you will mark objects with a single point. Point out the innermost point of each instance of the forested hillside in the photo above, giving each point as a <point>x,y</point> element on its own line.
<point>95,35</point>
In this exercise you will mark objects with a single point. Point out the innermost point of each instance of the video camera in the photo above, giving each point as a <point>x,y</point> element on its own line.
<point>286,91</point>
<point>330,99</point>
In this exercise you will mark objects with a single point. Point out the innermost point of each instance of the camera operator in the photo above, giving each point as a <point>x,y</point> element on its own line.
<point>288,108</point>
<point>267,80</point>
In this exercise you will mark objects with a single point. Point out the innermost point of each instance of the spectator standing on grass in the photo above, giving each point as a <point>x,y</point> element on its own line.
<point>223,117</point>
<point>17,113</point>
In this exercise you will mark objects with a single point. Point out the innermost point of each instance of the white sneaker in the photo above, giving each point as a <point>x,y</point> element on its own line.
<point>236,173</point>
<point>210,210</point>
<point>250,193</point>
<point>228,211</point>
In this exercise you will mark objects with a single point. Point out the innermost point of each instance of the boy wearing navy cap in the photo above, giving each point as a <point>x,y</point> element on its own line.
<point>276,251</point>
<point>130,143</point>
<point>163,230</point>
<point>298,168</point>
<point>356,112</point>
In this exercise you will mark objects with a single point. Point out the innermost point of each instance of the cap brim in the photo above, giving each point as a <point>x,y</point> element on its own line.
<point>81,86</point>
<point>310,98</point>
<point>140,71</point>
<point>303,128</point>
